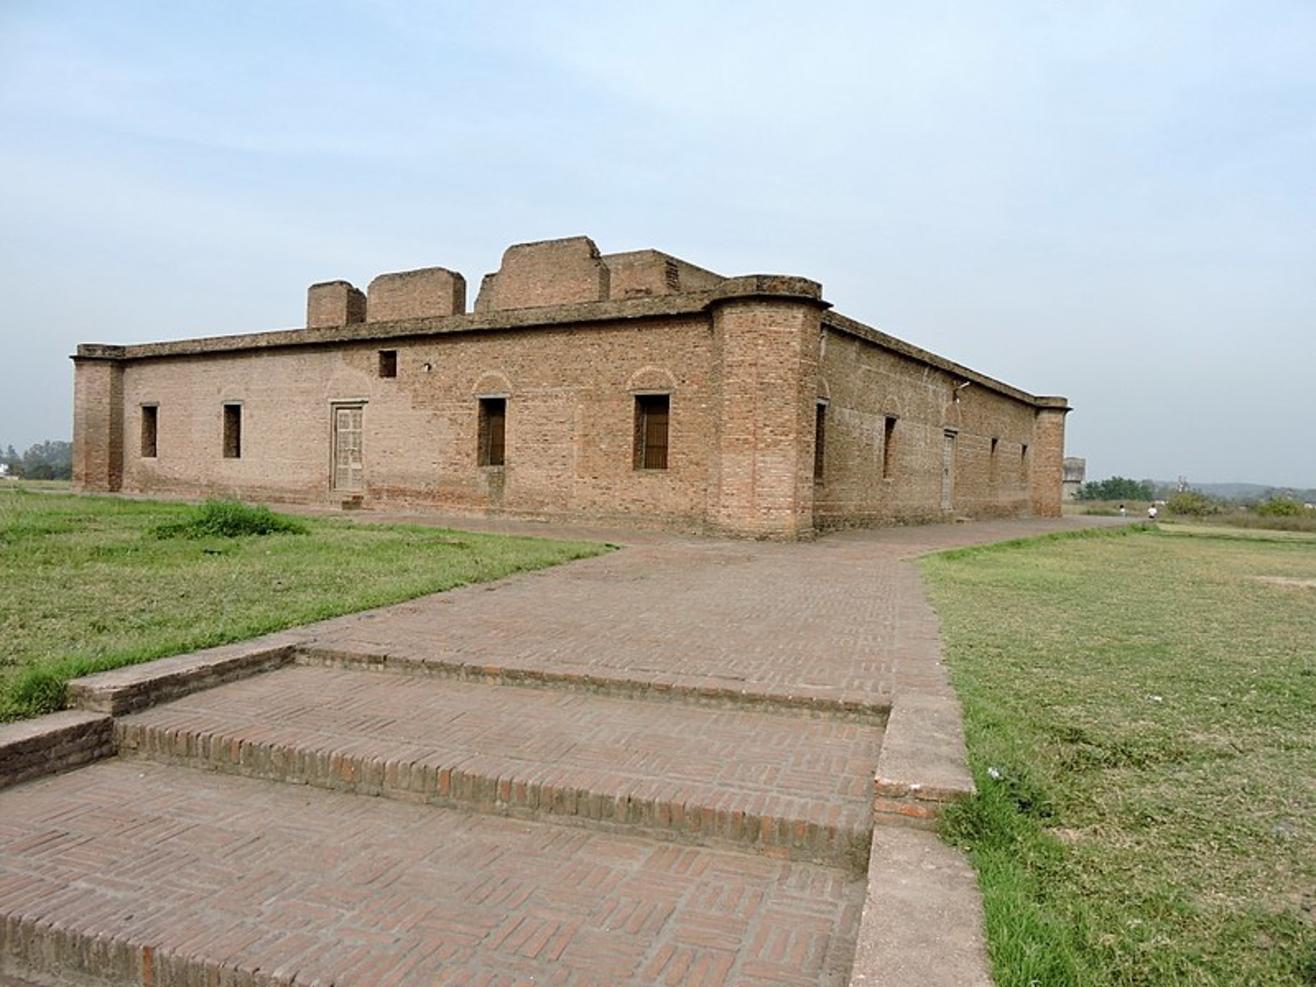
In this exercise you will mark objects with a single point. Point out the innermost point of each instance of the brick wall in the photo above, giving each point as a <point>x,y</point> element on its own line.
<point>570,420</point>
<point>428,292</point>
<point>639,273</point>
<point>548,272</point>
<point>97,424</point>
<point>334,303</point>
<point>745,362</point>
<point>864,384</point>
<point>1047,466</point>
<point>767,363</point>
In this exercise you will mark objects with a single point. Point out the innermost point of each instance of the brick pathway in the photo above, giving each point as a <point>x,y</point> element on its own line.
<point>653,806</point>
<point>337,888</point>
<point>838,617</point>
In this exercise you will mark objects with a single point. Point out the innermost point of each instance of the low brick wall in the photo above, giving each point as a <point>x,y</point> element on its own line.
<point>53,743</point>
<point>134,687</point>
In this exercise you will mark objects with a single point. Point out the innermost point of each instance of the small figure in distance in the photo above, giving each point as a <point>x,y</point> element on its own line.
<point>1123,512</point>
<point>1151,513</point>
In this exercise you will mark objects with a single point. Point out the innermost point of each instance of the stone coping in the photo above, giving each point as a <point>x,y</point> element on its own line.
<point>922,765</point>
<point>921,922</point>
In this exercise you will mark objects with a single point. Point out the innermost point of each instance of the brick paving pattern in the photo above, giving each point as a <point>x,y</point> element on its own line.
<point>838,617</point>
<point>337,888</point>
<point>709,772</point>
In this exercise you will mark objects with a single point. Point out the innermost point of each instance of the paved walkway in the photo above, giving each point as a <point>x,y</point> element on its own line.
<point>672,792</point>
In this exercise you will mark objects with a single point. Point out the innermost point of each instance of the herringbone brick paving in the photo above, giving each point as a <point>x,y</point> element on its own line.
<point>839,617</point>
<point>350,890</point>
<point>763,778</point>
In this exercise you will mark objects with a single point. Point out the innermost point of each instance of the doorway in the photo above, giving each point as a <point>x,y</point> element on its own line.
<point>947,469</point>
<point>348,465</point>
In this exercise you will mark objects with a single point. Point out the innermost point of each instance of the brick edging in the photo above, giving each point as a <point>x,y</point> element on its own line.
<point>51,743</point>
<point>134,687</point>
<point>764,698</point>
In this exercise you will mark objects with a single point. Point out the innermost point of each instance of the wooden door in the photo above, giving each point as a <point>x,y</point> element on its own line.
<point>349,471</point>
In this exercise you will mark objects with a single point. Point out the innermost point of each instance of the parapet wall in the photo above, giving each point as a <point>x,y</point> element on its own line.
<point>431,292</point>
<point>334,303</point>
<point>640,273</point>
<point>547,272</point>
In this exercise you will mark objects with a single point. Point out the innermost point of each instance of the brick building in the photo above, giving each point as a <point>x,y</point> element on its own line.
<point>615,387</point>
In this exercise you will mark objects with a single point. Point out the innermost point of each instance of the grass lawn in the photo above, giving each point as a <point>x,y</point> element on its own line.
<point>86,586</point>
<point>1140,709</point>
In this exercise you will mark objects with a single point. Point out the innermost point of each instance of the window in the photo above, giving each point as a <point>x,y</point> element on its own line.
<point>388,363</point>
<point>232,431</point>
<point>888,445</point>
<point>1023,463</point>
<point>493,431</point>
<point>150,420</point>
<point>651,414</point>
<point>819,440</point>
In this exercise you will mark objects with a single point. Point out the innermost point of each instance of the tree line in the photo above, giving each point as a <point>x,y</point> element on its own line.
<point>48,460</point>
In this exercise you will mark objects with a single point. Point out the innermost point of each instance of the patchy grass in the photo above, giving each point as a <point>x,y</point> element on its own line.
<point>9,484</point>
<point>86,584</point>
<point>1149,705</point>
<point>228,519</point>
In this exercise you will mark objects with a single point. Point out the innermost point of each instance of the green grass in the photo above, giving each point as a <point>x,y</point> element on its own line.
<point>1140,711</point>
<point>87,583</point>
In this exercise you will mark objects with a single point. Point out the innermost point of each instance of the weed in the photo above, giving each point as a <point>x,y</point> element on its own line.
<point>228,519</point>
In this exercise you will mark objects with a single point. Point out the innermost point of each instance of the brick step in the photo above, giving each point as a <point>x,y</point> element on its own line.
<point>795,699</point>
<point>131,872</point>
<point>798,787</point>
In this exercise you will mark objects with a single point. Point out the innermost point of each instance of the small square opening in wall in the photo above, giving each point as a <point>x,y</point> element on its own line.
<point>232,431</point>
<point>388,363</point>
<point>652,412</point>
<point>150,426</point>
<point>493,432</point>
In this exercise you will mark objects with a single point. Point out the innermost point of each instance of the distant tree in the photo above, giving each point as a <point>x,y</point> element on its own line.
<point>13,460</point>
<point>1116,488</point>
<point>49,460</point>
<point>1279,506</point>
<point>1192,503</point>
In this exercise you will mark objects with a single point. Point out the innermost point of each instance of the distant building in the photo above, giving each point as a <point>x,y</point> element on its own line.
<point>1074,470</point>
<point>632,386</point>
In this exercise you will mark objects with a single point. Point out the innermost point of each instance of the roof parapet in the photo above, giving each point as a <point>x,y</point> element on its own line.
<point>330,304</point>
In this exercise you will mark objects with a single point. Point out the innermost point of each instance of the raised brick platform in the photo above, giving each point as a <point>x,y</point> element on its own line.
<point>780,783</point>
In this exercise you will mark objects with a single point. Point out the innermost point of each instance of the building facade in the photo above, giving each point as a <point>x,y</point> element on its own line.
<point>630,387</point>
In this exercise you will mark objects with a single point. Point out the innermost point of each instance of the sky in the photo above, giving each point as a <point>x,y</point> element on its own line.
<point>1111,201</point>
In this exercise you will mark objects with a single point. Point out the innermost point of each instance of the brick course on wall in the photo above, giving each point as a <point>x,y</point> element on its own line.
<point>745,362</point>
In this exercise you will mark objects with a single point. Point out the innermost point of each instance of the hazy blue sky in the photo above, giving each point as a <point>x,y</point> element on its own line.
<point>1111,201</point>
